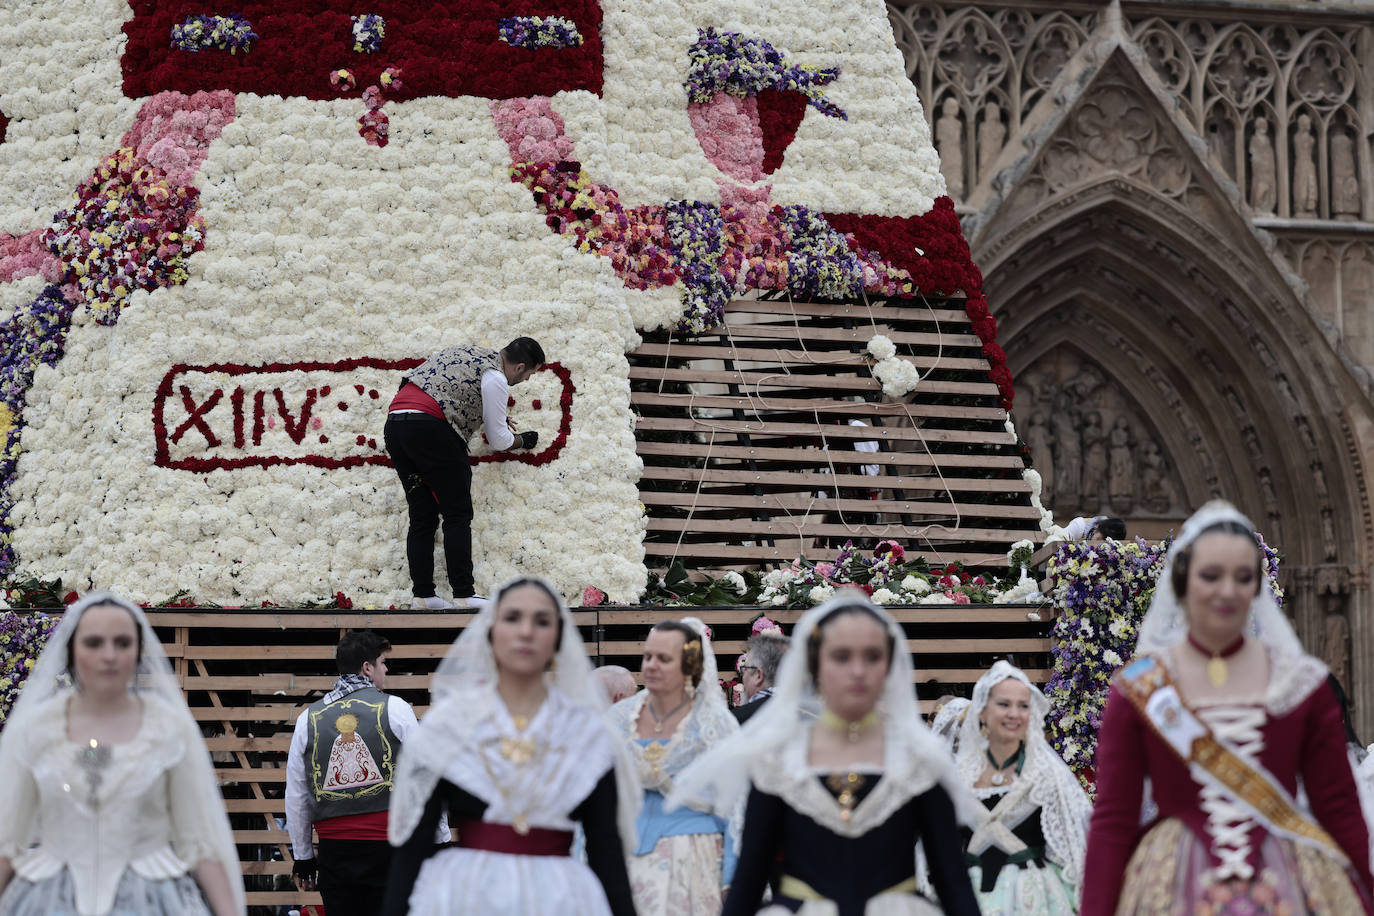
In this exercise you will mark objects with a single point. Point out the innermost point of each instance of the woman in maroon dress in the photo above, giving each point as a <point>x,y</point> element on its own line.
<point>1226,716</point>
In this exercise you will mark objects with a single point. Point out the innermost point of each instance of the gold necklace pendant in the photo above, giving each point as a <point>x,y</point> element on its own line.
<point>846,786</point>
<point>518,751</point>
<point>1217,671</point>
<point>520,825</point>
<point>998,778</point>
<point>521,722</point>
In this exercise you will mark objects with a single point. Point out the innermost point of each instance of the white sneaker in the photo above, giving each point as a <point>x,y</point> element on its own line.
<point>472,602</point>
<point>433,603</point>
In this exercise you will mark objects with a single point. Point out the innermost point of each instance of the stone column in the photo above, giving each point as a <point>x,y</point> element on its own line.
<point>1361,689</point>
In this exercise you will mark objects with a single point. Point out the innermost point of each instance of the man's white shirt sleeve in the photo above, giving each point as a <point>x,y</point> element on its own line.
<point>495,397</point>
<point>298,822</point>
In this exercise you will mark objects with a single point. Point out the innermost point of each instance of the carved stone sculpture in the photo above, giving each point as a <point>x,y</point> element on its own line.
<point>1121,466</point>
<point>1336,646</point>
<point>1345,186</point>
<point>1263,186</point>
<point>1094,462</point>
<point>1304,170</point>
<point>991,135</point>
<point>1156,491</point>
<point>949,135</point>
<point>1040,443</point>
<point>1068,468</point>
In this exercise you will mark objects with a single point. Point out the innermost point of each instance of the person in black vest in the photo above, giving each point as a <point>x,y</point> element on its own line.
<point>763,652</point>
<point>441,404</point>
<point>339,776</point>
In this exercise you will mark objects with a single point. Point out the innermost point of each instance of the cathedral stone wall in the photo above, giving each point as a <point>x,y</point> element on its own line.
<point>1173,206</point>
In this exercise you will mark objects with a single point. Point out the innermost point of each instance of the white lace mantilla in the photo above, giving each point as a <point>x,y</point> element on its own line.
<point>1045,782</point>
<point>659,763</point>
<point>538,775</point>
<point>793,780</point>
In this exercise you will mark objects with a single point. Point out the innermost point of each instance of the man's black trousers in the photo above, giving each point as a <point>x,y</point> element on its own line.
<point>432,461</point>
<point>353,876</point>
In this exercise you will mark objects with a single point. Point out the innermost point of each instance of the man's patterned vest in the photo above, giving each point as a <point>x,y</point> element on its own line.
<point>350,755</point>
<point>453,377</point>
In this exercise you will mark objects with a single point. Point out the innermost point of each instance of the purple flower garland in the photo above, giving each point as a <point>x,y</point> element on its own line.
<point>35,334</point>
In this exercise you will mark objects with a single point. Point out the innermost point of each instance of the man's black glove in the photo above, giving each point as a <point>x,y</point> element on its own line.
<point>528,439</point>
<point>308,870</point>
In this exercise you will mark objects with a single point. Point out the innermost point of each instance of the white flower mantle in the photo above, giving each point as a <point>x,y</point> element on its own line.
<point>322,248</point>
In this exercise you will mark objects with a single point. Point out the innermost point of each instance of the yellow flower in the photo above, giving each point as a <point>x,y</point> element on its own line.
<point>7,420</point>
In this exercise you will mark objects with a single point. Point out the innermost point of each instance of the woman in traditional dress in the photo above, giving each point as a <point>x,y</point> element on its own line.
<point>837,802</point>
<point>518,751</point>
<point>110,803</point>
<point>682,861</point>
<point>1225,715</point>
<point>1025,848</point>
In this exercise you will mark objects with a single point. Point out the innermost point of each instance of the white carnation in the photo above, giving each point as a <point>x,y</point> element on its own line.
<point>821,594</point>
<point>937,598</point>
<point>881,347</point>
<point>884,596</point>
<point>915,584</point>
<point>735,581</point>
<point>898,376</point>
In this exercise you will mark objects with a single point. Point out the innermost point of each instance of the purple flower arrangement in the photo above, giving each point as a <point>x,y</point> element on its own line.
<point>820,261</point>
<point>368,31</point>
<point>34,335</point>
<point>742,66</point>
<point>535,32</point>
<point>22,637</point>
<point>230,33</point>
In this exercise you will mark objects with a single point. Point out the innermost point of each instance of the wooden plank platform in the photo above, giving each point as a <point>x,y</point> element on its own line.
<point>741,430</point>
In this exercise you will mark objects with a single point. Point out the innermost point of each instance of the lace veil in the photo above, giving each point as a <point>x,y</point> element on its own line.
<point>463,691</point>
<point>708,723</point>
<point>1165,624</point>
<point>719,780</point>
<point>51,682</point>
<point>1064,807</point>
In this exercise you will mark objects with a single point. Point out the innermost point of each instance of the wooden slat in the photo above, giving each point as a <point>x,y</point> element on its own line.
<point>765,380</point>
<point>859,335</point>
<point>724,426</point>
<point>783,528</point>
<point>792,546</point>
<point>825,406</point>
<point>817,479</point>
<point>835,456</point>
<point>909,310</point>
<point>824,357</point>
<point>801,502</point>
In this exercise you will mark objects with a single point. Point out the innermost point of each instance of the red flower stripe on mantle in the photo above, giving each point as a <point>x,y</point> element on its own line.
<point>446,48</point>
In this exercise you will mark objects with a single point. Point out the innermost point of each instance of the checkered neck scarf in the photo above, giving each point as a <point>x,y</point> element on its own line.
<point>347,683</point>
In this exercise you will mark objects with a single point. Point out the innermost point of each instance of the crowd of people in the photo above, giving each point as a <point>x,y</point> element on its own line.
<point>536,785</point>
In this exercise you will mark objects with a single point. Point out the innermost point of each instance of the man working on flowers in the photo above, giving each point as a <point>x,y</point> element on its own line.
<point>440,406</point>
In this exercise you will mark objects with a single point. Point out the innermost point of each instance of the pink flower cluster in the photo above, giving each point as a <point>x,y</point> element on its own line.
<point>375,126</point>
<point>26,256</point>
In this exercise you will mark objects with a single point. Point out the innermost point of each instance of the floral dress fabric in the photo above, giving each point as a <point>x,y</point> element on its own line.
<point>683,859</point>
